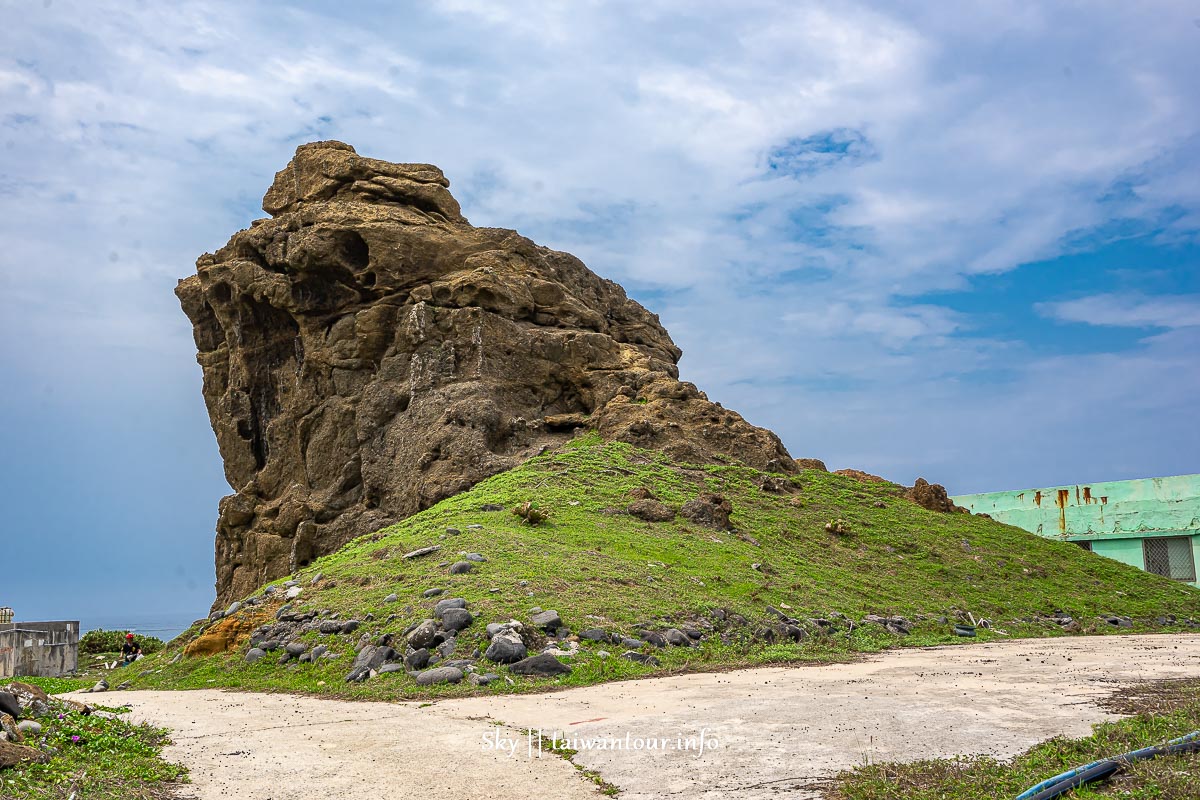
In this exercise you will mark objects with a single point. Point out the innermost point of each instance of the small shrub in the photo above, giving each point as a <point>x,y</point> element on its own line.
<point>530,513</point>
<point>102,641</point>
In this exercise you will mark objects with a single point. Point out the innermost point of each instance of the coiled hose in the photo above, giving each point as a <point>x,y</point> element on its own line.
<point>1098,770</point>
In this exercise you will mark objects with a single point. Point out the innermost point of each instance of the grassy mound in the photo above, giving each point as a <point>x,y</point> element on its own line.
<point>601,567</point>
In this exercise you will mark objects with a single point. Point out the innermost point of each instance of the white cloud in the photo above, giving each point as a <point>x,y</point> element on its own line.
<point>638,136</point>
<point>1128,310</point>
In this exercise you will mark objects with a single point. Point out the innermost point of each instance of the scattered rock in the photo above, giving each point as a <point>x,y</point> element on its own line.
<point>443,606</point>
<point>456,619</point>
<point>423,635</point>
<point>897,625</point>
<point>294,649</point>
<point>254,654</point>
<point>491,507</point>
<point>417,659</point>
<point>654,638</point>
<point>651,511</point>
<point>293,592</point>
<point>483,680</point>
<point>423,551</point>
<point>594,635</point>
<point>391,598</point>
<point>564,649</point>
<point>774,484</point>
<point>369,660</point>
<point>677,638</point>
<point>439,675</point>
<point>506,647</point>
<point>12,755</point>
<point>461,567</point>
<point>541,664</point>
<point>10,729</point>
<point>432,592</point>
<point>9,705</point>
<point>709,510</point>
<point>453,531</point>
<point>29,727</point>
<point>641,658</point>
<point>476,557</point>
<point>547,621</point>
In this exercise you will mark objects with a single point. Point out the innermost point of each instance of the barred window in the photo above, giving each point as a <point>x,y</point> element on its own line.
<point>1170,556</point>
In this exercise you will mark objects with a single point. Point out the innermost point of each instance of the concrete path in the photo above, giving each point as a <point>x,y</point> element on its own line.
<point>759,733</point>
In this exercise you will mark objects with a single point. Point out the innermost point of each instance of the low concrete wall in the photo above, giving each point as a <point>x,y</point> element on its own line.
<point>43,649</point>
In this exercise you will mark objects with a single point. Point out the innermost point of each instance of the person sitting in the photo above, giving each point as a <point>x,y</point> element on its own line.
<point>131,651</point>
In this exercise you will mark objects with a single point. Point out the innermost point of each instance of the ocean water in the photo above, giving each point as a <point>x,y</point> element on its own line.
<point>163,625</point>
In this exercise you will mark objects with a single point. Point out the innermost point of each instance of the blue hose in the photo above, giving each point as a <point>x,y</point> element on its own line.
<point>1074,778</point>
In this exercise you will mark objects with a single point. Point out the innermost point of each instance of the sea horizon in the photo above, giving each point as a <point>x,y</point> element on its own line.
<point>165,625</point>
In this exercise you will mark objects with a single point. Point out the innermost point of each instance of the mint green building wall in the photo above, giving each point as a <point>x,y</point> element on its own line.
<point>1127,551</point>
<point>1113,516</point>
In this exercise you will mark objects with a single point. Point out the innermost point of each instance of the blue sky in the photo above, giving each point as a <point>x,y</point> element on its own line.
<point>959,243</point>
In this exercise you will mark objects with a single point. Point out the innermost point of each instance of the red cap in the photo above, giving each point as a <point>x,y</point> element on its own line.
<point>129,636</point>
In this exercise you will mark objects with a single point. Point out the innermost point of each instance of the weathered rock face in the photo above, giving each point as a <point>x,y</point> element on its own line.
<point>367,352</point>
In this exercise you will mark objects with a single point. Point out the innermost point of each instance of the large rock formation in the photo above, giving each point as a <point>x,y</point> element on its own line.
<point>367,352</point>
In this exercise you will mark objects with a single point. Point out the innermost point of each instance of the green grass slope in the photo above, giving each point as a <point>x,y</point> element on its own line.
<point>599,567</point>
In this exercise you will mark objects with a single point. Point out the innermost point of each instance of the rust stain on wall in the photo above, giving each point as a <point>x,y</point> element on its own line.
<point>1064,497</point>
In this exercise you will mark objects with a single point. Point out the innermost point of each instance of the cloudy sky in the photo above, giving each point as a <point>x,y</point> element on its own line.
<point>958,243</point>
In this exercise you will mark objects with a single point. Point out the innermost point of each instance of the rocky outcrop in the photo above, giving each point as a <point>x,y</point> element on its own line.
<point>932,496</point>
<point>860,476</point>
<point>367,352</point>
<point>928,495</point>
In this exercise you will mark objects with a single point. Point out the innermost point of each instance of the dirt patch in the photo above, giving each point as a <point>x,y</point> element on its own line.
<point>1154,697</point>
